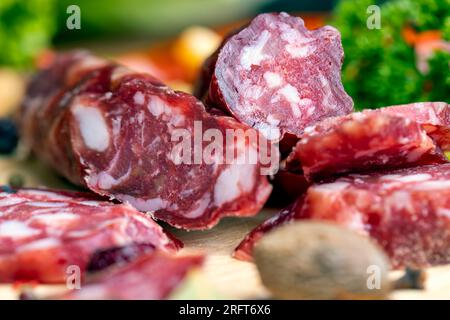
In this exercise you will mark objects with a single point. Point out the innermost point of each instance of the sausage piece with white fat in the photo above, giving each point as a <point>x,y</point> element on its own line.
<point>127,136</point>
<point>277,76</point>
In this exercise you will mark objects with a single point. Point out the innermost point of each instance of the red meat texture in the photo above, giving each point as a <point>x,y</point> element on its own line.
<point>277,76</point>
<point>111,130</point>
<point>152,276</point>
<point>407,211</point>
<point>43,232</point>
<point>391,137</point>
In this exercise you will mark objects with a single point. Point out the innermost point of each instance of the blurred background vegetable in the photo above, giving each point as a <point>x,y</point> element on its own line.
<point>381,66</point>
<point>26,28</point>
<point>154,19</point>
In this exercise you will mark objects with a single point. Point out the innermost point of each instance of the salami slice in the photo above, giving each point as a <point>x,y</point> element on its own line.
<point>129,137</point>
<point>363,142</point>
<point>152,276</point>
<point>43,232</point>
<point>277,76</point>
<point>244,250</point>
<point>433,116</point>
<point>406,211</point>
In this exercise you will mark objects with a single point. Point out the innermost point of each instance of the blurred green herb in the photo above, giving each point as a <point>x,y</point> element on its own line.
<point>380,67</point>
<point>26,27</point>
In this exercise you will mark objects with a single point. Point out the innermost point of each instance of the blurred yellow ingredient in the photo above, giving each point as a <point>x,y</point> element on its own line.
<point>180,86</point>
<point>12,87</point>
<point>195,287</point>
<point>193,46</point>
<point>34,173</point>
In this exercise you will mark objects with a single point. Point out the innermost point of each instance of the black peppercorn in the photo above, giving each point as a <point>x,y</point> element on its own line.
<point>8,136</point>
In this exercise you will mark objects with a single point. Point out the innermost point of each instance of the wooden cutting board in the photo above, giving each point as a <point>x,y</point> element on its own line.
<point>222,276</point>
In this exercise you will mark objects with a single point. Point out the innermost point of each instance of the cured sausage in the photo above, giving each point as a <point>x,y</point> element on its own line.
<point>43,232</point>
<point>433,116</point>
<point>127,136</point>
<point>244,250</point>
<point>152,276</point>
<point>277,76</point>
<point>364,142</point>
<point>406,211</point>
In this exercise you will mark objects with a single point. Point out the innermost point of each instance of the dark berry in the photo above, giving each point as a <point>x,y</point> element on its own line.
<point>8,136</point>
<point>102,259</point>
<point>27,295</point>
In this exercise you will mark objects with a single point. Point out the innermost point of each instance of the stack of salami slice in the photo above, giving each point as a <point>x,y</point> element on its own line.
<point>382,173</point>
<point>111,130</point>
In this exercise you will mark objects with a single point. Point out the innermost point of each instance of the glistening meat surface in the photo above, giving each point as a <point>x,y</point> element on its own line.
<point>398,136</point>
<point>433,116</point>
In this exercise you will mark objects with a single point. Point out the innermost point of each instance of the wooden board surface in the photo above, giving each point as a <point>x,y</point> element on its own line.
<point>222,276</point>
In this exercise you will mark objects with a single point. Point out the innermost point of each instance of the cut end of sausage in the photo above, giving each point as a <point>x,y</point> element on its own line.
<point>279,77</point>
<point>144,144</point>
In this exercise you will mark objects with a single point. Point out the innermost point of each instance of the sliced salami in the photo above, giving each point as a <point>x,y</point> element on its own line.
<point>43,232</point>
<point>277,76</point>
<point>406,211</point>
<point>244,250</point>
<point>152,276</point>
<point>129,137</point>
<point>433,116</point>
<point>363,142</point>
